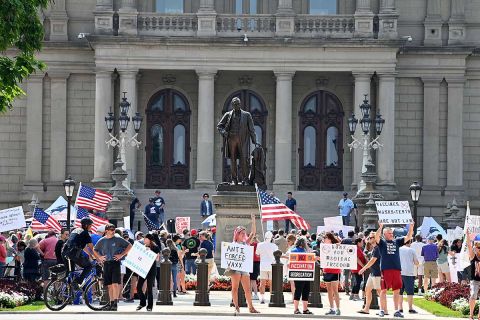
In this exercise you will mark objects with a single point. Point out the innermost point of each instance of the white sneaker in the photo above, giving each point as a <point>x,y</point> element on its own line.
<point>255,297</point>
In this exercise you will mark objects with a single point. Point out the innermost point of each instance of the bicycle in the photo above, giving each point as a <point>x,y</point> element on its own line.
<point>61,291</point>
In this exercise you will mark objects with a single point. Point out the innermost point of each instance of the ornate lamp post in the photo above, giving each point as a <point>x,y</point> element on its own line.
<point>364,143</point>
<point>415,192</point>
<point>69,185</point>
<point>123,121</point>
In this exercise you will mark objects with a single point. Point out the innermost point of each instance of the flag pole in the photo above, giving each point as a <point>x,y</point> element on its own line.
<point>260,212</point>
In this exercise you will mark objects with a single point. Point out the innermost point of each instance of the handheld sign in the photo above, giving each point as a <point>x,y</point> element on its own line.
<point>301,266</point>
<point>182,223</point>
<point>333,223</point>
<point>338,256</point>
<point>394,212</point>
<point>236,256</point>
<point>140,259</point>
<point>11,219</point>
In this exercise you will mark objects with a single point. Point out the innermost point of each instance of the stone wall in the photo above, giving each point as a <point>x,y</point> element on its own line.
<point>471,138</point>
<point>45,159</point>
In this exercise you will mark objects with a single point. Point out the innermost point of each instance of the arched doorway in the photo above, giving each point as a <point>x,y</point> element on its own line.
<point>321,142</point>
<point>254,104</point>
<point>168,141</point>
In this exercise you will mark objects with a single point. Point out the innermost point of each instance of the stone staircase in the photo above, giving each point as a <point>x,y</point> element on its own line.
<point>312,205</point>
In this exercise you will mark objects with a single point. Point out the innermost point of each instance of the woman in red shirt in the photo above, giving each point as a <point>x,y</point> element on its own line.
<point>331,277</point>
<point>357,278</point>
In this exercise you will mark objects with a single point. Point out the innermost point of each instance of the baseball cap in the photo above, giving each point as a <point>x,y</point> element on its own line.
<point>345,194</point>
<point>268,235</point>
<point>431,238</point>
<point>101,229</point>
<point>214,229</point>
<point>193,232</point>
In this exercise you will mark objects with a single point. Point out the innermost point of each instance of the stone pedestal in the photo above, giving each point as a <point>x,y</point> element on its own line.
<point>233,209</point>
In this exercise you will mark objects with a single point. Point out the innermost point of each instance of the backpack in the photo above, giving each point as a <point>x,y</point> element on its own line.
<point>70,250</point>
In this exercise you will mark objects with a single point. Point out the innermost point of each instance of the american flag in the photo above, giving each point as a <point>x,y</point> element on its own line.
<point>83,213</point>
<point>47,220</point>
<point>272,209</point>
<point>91,198</point>
<point>150,224</point>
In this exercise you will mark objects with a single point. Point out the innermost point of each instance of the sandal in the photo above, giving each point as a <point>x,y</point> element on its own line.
<point>307,312</point>
<point>363,312</point>
<point>253,310</point>
<point>297,312</point>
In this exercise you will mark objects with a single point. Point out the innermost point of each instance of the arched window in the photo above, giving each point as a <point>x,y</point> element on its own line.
<point>323,7</point>
<point>179,144</point>
<point>168,152</point>
<point>253,103</point>
<point>332,147</point>
<point>157,145</point>
<point>309,146</point>
<point>321,147</point>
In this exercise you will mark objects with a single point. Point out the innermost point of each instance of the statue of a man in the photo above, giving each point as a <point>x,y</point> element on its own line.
<point>237,129</point>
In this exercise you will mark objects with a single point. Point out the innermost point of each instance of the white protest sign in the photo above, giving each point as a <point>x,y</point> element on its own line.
<point>301,266</point>
<point>452,265</point>
<point>140,259</point>
<point>343,229</point>
<point>394,212</point>
<point>236,256</point>
<point>11,219</point>
<point>338,256</point>
<point>182,223</point>
<point>126,223</point>
<point>333,222</point>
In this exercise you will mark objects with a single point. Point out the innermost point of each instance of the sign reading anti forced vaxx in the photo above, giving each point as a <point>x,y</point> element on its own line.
<point>236,256</point>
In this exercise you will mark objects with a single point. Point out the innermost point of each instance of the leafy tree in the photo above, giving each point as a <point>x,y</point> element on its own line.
<point>22,31</point>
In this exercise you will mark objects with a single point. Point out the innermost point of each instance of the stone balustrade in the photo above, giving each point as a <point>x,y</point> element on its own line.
<point>253,25</point>
<point>329,26</point>
<point>160,24</point>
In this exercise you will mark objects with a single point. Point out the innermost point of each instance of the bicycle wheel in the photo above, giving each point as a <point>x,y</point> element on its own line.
<point>57,294</point>
<point>95,295</point>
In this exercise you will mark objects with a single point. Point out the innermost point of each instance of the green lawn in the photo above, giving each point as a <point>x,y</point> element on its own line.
<point>437,309</point>
<point>34,306</point>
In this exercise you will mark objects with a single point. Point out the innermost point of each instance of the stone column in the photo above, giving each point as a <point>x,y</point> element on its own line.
<point>104,17</point>
<point>431,132</point>
<point>127,18</point>
<point>58,128</point>
<point>386,155</point>
<point>285,19</point>
<point>388,18</point>
<point>456,24</point>
<point>128,84</point>
<point>362,88</point>
<point>283,130</point>
<point>206,128</point>
<point>433,24</point>
<point>58,21</point>
<point>103,102</point>
<point>455,135</point>
<point>207,17</point>
<point>33,169</point>
<point>363,19</point>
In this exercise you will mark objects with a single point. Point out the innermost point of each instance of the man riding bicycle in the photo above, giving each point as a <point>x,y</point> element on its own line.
<point>74,250</point>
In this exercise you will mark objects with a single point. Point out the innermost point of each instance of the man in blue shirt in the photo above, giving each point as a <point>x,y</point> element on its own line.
<point>346,207</point>
<point>208,245</point>
<point>291,203</point>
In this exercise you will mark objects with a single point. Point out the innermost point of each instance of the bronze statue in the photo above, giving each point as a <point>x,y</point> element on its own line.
<point>237,129</point>
<point>258,168</point>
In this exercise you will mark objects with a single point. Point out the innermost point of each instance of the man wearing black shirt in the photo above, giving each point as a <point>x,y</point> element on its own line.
<point>346,272</point>
<point>58,247</point>
<point>134,205</point>
<point>190,246</point>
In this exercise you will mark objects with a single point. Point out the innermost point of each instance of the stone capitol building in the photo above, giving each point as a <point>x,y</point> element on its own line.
<point>300,67</point>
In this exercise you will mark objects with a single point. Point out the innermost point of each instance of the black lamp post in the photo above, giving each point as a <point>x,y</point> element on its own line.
<point>69,186</point>
<point>415,191</point>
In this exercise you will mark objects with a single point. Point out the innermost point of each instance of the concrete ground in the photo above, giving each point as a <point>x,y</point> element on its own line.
<point>183,308</point>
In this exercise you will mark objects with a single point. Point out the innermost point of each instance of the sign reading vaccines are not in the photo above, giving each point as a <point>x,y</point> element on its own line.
<point>394,212</point>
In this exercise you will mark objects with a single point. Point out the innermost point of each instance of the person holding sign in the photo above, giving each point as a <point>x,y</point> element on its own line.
<point>331,277</point>
<point>391,267</point>
<point>302,288</point>
<point>240,237</point>
<point>149,242</point>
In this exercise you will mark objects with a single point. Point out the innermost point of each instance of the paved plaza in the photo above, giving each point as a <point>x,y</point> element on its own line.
<point>183,309</point>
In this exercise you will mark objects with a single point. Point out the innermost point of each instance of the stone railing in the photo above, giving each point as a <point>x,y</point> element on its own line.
<point>258,25</point>
<point>160,24</point>
<point>334,26</point>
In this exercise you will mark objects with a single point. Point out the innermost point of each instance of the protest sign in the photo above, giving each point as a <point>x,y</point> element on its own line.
<point>338,256</point>
<point>394,212</point>
<point>11,219</point>
<point>343,230</point>
<point>140,259</point>
<point>236,256</point>
<point>453,266</point>
<point>333,222</point>
<point>301,266</point>
<point>464,259</point>
<point>431,227</point>
<point>182,223</point>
